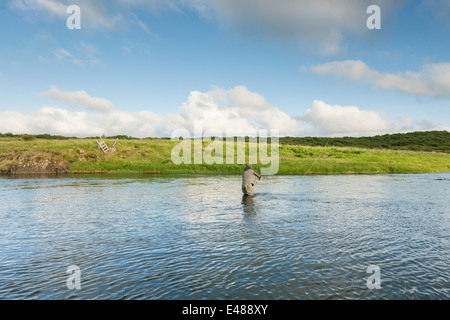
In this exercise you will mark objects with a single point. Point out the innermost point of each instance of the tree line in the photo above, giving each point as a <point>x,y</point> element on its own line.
<point>437,141</point>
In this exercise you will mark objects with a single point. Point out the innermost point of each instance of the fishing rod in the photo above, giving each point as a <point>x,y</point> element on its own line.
<point>314,163</point>
<point>320,157</point>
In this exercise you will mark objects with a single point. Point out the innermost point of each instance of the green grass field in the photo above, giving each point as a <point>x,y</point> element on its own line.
<point>154,156</point>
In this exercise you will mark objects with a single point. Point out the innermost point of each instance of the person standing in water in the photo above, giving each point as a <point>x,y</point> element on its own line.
<point>249,179</point>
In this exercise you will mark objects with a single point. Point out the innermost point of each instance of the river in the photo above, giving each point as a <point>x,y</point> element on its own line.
<point>197,237</point>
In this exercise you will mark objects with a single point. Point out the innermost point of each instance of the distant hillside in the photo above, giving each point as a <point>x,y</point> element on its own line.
<point>438,141</point>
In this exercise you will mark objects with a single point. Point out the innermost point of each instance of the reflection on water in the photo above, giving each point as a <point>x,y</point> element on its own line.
<point>248,204</point>
<point>197,237</point>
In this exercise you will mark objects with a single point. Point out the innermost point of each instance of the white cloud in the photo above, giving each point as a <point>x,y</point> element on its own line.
<point>98,14</point>
<point>50,6</point>
<point>80,98</point>
<point>153,5</point>
<point>236,109</point>
<point>335,120</point>
<point>320,24</point>
<point>88,49</point>
<point>87,54</point>
<point>323,119</point>
<point>61,56</point>
<point>94,14</point>
<point>55,120</point>
<point>144,27</point>
<point>432,81</point>
<point>239,110</point>
<point>126,50</point>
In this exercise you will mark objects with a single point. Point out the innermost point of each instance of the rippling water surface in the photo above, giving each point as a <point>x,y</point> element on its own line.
<point>196,237</point>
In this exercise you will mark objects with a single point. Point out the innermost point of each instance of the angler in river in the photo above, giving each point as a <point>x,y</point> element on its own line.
<point>249,179</point>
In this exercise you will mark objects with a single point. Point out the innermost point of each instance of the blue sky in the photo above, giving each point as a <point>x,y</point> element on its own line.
<point>147,68</point>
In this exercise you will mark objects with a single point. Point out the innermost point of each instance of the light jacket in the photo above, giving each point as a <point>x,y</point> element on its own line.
<point>248,179</point>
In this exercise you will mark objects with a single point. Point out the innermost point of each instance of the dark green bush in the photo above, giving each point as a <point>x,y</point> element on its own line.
<point>27,137</point>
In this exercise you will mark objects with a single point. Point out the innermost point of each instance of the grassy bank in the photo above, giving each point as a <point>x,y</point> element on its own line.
<point>154,156</point>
